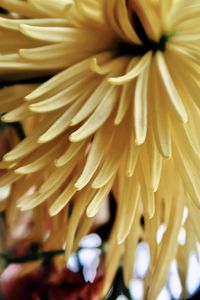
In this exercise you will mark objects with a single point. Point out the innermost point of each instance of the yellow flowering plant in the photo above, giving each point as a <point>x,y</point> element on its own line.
<point>119,113</point>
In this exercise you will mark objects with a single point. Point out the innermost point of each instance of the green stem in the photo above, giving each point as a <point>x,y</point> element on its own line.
<point>47,255</point>
<point>31,257</point>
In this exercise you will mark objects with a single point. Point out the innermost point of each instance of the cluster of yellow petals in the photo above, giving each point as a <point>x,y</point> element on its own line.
<point>106,122</point>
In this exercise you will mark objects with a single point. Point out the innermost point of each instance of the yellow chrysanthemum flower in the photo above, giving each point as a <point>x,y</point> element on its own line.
<point>120,114</point>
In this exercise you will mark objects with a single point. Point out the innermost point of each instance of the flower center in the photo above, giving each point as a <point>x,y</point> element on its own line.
<point>124,48</point>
